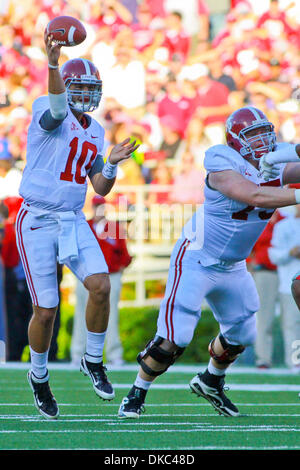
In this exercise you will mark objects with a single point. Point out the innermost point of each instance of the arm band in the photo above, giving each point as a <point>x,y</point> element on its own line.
<point>285,155</point>
<point>109,170</point>
<point>58,105</point>
<point>47,121</point>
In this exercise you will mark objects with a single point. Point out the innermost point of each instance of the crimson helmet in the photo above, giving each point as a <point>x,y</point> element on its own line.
<point>240,123</point>
<point>80,72</point>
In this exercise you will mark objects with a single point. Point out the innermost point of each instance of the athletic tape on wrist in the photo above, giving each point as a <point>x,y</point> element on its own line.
<point>109,170</point>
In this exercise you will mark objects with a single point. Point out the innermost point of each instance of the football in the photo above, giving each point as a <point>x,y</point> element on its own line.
<point>66,30</point>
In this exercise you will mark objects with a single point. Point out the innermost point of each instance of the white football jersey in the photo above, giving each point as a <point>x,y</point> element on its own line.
<point>223,229</point>
<point>58,161</point>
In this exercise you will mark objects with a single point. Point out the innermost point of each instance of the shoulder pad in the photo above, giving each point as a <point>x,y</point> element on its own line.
<point>97,125</point>
<point>41,103</point>
<point>222,157</point>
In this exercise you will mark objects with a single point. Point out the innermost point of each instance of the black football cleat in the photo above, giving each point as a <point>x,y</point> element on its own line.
<point>43,398</point>
<point>96,372</point>
<point>215,396</point>
<point>132,406</point>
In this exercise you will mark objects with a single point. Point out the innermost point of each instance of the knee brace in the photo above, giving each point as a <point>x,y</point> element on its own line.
<point>154,350</point>
<point>231,351</point>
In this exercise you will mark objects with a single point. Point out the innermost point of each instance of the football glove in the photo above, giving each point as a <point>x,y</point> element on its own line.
<point>266,170</point>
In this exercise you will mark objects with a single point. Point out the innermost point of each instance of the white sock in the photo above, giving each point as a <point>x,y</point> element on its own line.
<point>140,383</point>
<point>213,370</point>
<point>39,362</point>
<point>94,346</point>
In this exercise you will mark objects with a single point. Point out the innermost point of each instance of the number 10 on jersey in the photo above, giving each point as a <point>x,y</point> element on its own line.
<point>75,175</point>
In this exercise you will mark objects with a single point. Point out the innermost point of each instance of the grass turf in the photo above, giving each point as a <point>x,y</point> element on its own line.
<point>175,419</point>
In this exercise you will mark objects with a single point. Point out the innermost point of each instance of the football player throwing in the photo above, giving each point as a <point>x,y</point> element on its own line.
<point>65,146</point>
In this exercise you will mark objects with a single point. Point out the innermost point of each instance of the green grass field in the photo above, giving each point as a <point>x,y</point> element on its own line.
<point>175,419</point>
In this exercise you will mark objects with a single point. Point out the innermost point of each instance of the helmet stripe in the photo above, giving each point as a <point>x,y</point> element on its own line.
<point>71,35</point>
<point>87,67</point>
<point>253,111</point>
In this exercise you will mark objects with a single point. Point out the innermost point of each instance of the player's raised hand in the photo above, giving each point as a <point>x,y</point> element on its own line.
<point>52,49</point>
<point>122,151</point>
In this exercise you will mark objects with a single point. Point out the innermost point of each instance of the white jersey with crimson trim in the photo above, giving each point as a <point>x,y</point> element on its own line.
<point>58,161</point>
<point>224,230</point>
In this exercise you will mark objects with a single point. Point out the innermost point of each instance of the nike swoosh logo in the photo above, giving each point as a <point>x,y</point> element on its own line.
<point>34,228</point>
<point>94,136</point>
<point>40,403</point>
<point>59,30</point>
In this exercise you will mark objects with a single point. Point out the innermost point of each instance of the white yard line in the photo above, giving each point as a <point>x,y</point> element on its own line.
<point>239,387</point>
<point>197,428</point>
<point>235,369</point>
<point>89,417</point>
<point>172,405</point>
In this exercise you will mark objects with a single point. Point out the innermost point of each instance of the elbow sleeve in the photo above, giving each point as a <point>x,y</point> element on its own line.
<point>58,105</point>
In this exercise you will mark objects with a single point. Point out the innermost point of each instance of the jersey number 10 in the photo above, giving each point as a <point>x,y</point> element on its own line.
<point>67,174</point>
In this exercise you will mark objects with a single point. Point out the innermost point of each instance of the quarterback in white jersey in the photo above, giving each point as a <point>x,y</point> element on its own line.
<point>58,162</point>
<point>208,261</point>
<point>64,147</point>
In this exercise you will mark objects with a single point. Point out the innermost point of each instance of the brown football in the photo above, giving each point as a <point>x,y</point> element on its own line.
<point>66,30</point>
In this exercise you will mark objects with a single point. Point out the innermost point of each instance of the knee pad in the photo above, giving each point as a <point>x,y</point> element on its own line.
<point>154,350</point>
<point>231,351</point>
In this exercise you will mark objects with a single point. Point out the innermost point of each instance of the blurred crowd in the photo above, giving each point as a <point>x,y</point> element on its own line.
<point>172,72</point>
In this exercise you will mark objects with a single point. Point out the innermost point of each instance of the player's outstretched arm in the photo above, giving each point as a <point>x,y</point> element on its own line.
<point>104,181</point>
<point>291,173</point>
<point>284,155</point>
<point>235,186</point>
<point>56,84</point>
<point>54,116</point>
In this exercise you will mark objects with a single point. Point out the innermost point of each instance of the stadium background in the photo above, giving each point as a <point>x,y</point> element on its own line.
<point>172,72</point>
